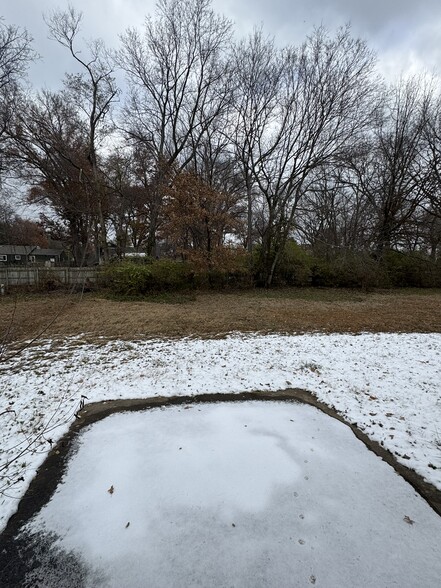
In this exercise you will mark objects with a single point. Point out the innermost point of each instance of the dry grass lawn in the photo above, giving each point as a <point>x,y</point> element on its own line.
<point>210,314</point>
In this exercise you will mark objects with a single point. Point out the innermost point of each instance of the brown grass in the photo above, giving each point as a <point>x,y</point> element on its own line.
<point>214,314</point>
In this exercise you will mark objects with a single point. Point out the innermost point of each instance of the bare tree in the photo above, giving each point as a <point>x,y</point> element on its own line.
<point>176,75</point>
<point>16,54</point>
<point>389,167</point>
<point>431,203</point>
<point>258,79</point>
<point>94,91</point>
<point>334,214</point>
<point>50,149</point>
<point>128,175</point>
<point>322,104</point>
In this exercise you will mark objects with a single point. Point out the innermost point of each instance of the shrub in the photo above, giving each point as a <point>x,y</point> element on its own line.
<point>127,278</point>
<point>348,269</point>
<point>412,269</point>
<point>295,267</point>
<point>344,269</point>
<point>169,275</point>
<point>233,268</point>
<point>222,267</point>
<point>357,270</point>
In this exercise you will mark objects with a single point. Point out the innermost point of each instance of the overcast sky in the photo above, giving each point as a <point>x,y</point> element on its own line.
<point>406,34</point>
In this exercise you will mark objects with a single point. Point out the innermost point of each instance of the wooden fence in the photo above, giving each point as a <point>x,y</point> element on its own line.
<point>35,276</point>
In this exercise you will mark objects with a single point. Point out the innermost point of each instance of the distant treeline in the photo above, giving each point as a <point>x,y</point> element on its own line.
<point>246,161</point>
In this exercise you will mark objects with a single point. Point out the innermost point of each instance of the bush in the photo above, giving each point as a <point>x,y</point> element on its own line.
<point>357,270</point>
<point>348,269</point>
<point>414,270</point>
<point>129,278</point>
<point>222,267</point>
<point>169,275</point>
<point>343,269</point>
<point>362,270</point>
<point>295,267</point>
<point>231,268</point>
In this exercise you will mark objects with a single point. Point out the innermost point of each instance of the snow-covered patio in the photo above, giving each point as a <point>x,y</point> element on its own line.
<point>245,494</point>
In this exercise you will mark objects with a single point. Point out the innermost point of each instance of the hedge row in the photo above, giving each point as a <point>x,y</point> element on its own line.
<point>297,268</point>
<point>129,278</point>
<point>359,270</point>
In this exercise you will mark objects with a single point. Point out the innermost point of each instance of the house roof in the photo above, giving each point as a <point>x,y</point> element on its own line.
<point>17,249</point>
<point>47,252</point>
<point>29,250</point>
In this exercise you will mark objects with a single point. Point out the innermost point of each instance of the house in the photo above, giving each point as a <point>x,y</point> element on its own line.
<point>30,255</point>
<point>47,257</point>
<point>15,254</point>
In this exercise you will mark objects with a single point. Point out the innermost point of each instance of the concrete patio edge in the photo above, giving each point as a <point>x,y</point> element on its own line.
<point>51,471</point>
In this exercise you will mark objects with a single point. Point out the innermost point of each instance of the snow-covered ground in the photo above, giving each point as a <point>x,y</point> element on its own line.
<point>389,384</point>
<point>252,494</point>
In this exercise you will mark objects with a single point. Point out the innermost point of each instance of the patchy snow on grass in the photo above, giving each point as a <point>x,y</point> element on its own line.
<point>389,384</point>
<point>249,494</point>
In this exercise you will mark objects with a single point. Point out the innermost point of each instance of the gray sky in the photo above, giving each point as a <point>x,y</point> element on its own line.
<point>405,34</point>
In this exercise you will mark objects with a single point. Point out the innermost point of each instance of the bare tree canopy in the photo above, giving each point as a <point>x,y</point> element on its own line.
<point>318,103</point>
<point>15,54</point>
<point>176,72</point>
<point>93,90</point>
<point>296,142</point>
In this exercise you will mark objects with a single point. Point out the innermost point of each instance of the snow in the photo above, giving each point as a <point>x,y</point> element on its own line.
<point>389,384</point>
<point>249,494</point>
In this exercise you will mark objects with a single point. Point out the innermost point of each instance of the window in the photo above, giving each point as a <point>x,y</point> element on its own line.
<point>3,258</point>
<point>17,257</point>
<point>32,259</point>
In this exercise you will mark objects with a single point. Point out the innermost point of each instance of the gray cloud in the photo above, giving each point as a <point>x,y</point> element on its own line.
<point>405,34</point>
<point>104,19</point>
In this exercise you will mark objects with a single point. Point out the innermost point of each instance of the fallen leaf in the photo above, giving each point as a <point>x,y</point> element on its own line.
<point>110,490</point>
<point>128,525</point>
<point>408,520</point>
